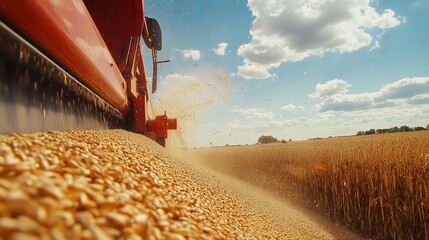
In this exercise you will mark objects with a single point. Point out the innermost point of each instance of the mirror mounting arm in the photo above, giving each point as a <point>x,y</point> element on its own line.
<point>155,68</point>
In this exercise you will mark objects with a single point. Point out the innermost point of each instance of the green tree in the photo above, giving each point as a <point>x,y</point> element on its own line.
<point>404,128</point>
<point>420,128</point>
<point>267,139</point>
<point>371,131</point>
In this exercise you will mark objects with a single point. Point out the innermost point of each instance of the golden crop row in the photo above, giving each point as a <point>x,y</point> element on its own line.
<point>377,185</point>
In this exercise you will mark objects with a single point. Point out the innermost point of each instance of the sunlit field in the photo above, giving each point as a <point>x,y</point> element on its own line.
<point>377,185</point>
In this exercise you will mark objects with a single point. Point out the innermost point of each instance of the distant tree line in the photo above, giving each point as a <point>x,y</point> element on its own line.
<point>392,130</point>
<point>265,139</point>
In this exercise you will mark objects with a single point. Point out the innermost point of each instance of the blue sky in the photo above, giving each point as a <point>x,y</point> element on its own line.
<point>291,69</point>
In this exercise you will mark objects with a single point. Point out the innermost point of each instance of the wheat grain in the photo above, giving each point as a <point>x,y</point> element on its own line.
<point>109,185</point>
<point>377,185</point>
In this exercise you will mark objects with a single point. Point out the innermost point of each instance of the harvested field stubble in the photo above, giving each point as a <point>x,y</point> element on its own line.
<point>377,185</point>
<point>112,185</point>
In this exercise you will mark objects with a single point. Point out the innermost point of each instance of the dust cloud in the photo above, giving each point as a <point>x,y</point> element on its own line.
<point>187,97</point>
<point>295,219</point>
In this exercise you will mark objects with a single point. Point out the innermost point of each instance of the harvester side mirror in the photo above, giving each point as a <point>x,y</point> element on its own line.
<point>152,34</point>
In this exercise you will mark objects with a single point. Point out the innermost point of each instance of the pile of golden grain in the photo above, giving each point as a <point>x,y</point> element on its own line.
<point>377,185</point>
<point>110,185</point>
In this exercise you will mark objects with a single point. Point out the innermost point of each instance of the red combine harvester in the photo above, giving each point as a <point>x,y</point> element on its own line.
<point>78,65</point>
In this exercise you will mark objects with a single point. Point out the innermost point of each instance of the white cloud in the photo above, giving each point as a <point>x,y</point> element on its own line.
<point>253,112</point>
<point>420,4</point>
<point>376,46</point>
<point>190,53</point>
<point>301,121</point>
<point>332,123</point>
<point>419,100</point>
<point>405,88</point>
<point>290,30</point>
<point>271,125</point>
<point>346,102</point>
<point>221,48</point>
<point>407,91</point>
<point>291,107</point>
<point>254,71</point>
<point>330,88</point>
<point>412,115</point>
<point>379,37</point>
<point>254,126</point>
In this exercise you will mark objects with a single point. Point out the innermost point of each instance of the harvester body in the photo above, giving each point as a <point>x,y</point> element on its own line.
<point>94,42</point>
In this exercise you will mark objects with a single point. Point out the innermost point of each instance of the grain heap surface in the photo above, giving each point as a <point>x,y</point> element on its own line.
<point>111,184</point>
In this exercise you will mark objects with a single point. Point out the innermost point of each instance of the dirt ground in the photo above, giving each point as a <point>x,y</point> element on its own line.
<point>114,184</point>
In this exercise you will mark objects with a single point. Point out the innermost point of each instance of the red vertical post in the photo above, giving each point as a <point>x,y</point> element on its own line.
<point>139,116</point>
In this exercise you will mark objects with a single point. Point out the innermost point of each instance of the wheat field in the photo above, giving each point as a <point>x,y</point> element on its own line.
<point>376,185</point>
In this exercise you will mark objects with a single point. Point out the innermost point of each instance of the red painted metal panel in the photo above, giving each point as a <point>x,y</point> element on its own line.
<point>172,124</point>
<point>65,31</point>
<point>139,121</point>
<point>161,124</point>
<point>121,24</point>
